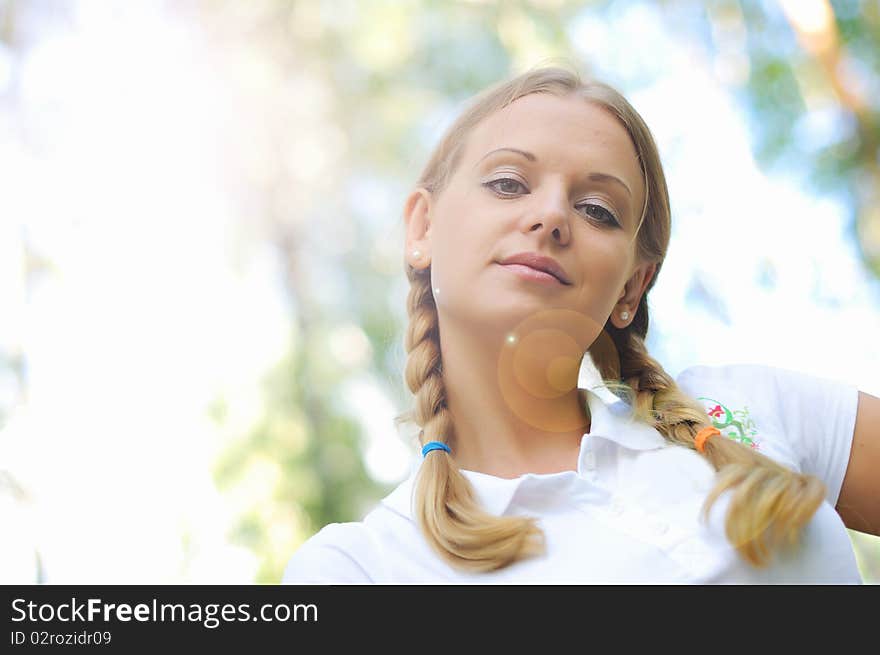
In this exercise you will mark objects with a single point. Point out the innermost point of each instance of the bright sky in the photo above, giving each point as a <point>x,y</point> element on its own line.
<point>157,302</point>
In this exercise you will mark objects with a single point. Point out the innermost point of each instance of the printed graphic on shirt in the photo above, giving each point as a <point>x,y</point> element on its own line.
<point>734,424</point>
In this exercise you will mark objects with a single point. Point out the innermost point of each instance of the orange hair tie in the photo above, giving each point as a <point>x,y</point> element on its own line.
<point>704,434</point>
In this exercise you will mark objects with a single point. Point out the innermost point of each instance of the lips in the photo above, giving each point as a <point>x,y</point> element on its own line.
<point>539,262</point>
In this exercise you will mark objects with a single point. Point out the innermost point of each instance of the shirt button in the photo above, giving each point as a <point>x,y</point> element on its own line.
<point>660,528</point>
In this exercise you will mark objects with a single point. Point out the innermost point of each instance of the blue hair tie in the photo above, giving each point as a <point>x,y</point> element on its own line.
<point>434,445</point>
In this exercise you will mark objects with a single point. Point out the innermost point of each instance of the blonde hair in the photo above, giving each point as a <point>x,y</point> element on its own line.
<point>769,504</point>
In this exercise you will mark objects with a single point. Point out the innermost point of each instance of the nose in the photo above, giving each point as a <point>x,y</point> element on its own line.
<point>552,215</point>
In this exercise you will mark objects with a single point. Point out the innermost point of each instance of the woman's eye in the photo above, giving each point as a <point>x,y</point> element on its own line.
<point>603,214</point>
<point>509,182</point>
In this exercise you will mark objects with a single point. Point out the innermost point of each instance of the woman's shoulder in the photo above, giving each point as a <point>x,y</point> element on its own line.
<point>733,393</point>
<point>756,377</point>
<point>339,553</point>
<point>731,372</point>
<point>801,419</point>
<point>738,398</point>
<point>356,552</point>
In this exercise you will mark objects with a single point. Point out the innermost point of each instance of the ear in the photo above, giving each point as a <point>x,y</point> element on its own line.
<point>417,216</point>
<point>632,294</point>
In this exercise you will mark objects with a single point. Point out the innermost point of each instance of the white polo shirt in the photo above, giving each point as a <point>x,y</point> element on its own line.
<point>629,514</point>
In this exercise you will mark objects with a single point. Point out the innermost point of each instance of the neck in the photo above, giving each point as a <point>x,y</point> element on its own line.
<point>515,403</point>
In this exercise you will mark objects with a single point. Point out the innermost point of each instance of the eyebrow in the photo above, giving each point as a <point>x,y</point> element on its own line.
<point>595,177</point>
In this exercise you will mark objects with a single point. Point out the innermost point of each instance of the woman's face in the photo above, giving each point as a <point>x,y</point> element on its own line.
<point>574,193</point>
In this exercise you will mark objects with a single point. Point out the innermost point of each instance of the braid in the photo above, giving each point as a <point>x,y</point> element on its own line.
<point>423,367</point>
<point>454,524</point>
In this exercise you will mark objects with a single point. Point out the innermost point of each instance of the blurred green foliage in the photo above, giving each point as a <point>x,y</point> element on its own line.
<point>392,72</point>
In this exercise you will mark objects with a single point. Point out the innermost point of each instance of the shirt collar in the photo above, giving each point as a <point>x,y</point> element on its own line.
<point>608,421</point>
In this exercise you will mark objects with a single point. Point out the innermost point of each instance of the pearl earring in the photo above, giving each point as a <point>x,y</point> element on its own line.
<point>624,315</point>
<point>416,254</point>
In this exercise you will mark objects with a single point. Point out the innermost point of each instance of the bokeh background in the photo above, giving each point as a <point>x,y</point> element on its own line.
<point>202,299</point>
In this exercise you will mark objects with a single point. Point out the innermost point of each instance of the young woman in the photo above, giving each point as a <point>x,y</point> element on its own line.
<point>533,237</point>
